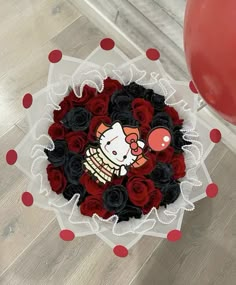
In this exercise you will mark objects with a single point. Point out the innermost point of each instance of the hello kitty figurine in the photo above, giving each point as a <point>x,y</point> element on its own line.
<point>120,148</point>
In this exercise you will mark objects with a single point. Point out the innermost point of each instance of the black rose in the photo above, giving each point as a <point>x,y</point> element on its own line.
<point>162,174</point>
<point>135,90</point>
<point>115,198</point>
<point>57,156</point>
<point>128,212</point>
<point>178,141</point>
<point>125,118</point>
<point>170,193</point>
<point>77,119</point>
<point>162,119</point>
<point>73,167</point>
<point>158,101</point>
<point>120,101</point>
<point>72,189</point>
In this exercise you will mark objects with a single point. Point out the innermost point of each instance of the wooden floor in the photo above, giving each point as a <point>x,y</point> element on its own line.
<point>30,250</point>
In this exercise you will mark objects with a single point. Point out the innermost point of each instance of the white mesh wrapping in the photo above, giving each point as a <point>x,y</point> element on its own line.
<point>92,71</point>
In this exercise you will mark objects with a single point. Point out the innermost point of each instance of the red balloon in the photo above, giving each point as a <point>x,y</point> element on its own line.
<point>210,50</point>
<point>159,139</point>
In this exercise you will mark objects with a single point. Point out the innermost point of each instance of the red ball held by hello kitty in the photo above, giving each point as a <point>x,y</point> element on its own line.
<point>159,139</point>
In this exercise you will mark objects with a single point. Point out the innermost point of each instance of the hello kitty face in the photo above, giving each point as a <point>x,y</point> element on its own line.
<point>120,144</point>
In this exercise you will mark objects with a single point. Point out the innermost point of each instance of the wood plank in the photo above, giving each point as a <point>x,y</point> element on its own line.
<point>86,260</point>
<point>99,15</point>
<point>203,232</point>
<point>9,174</point>
<point>29,76</point>
<point>223,271</point>
<point>31,28</point>
<point>79,39</point>
<point>18,224</point>
<point>154,13</point>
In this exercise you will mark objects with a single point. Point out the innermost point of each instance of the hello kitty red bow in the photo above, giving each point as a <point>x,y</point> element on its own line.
<point>132,140</point>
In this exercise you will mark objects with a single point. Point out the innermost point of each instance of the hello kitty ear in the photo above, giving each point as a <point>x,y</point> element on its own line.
<point>131,130</point>
<point>117,126</point>
<point>101,129</point>
<point>141,144</point>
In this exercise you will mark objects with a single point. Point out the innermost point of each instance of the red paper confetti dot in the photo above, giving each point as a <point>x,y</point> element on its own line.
<point>153,54</point>
<point>55,56</point>
<point>107,44</point>
<point>192,87</point>
<point>27,100</point>
<point>27,199</point>
<point>212,190</point>
<point>174,235</point>
<point>11,156</point>
<point>215,135</point>
<point>120,250</point>
<point>67,235</point>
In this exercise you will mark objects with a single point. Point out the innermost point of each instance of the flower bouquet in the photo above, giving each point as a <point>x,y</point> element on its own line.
<point>114,147</point>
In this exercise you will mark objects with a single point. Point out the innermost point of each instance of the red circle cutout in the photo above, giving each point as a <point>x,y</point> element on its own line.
<point>192,87</point>
<point>120,250</point>
<point>27,100</point>
<point>67,235</point>
<point>212,190</point>
<point>27,199</point>
<point>159,139</point>
<point>11,156</point>
<point>174,235</point>
<point>152,54</point>
<point>215,135</point>
<point>107,44</point>
<point>55,56</point>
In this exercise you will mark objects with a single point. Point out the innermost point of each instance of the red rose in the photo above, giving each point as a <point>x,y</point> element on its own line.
<point>56,131</point>
<point>76,141</point>
<point>98,105</point>
<point>56,179</point>
<point>146,168</point>
<point>87,94</point>
<point>166,155</point>
<point>154,201</point>
<point>110,86</point>
<point>139,189</point>
<point>142,111</point>
<point>91,186</point>
<point>178,165</point>
<point>93,125</point>
<point>174,115</point>
<point>92,205</point>
<point>65,105</point>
